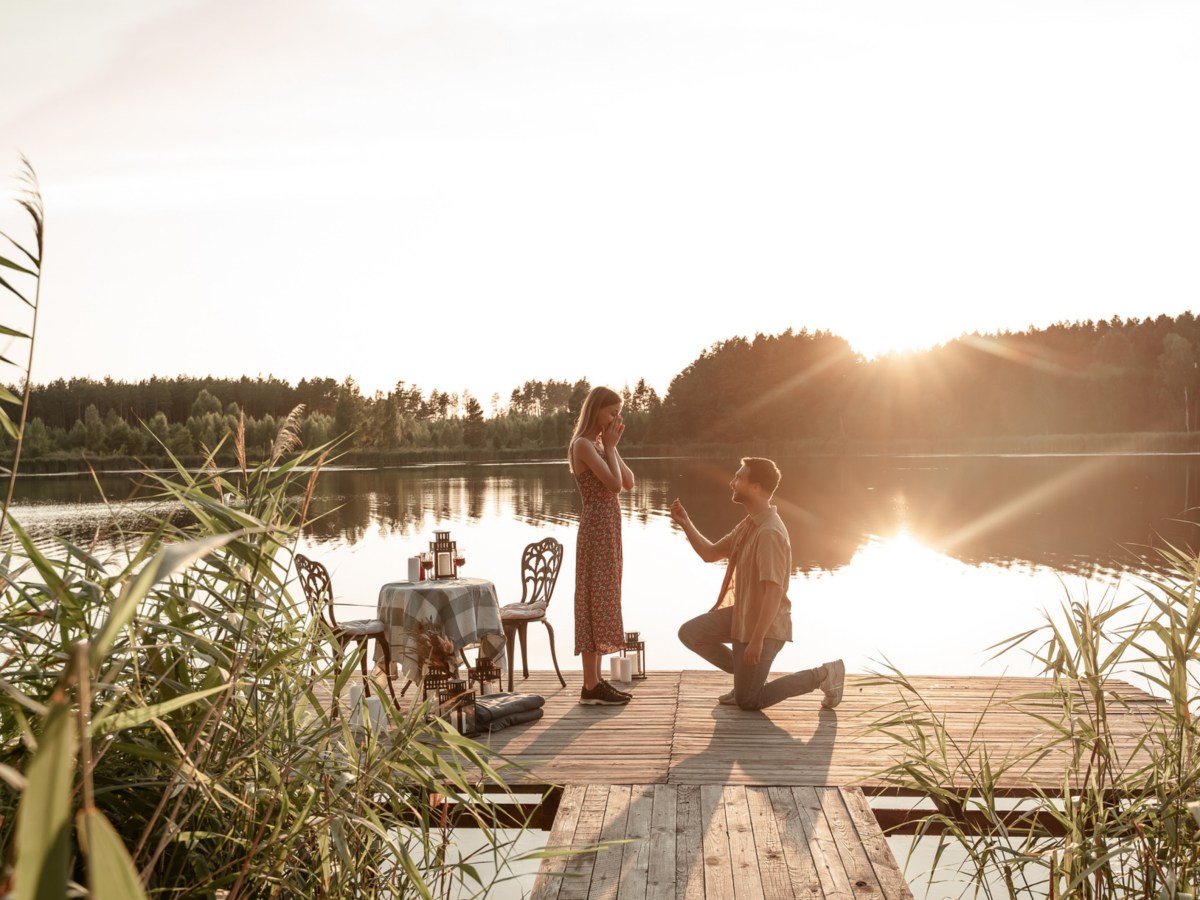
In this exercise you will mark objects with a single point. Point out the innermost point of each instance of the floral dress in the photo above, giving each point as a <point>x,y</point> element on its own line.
<point>598,626</point>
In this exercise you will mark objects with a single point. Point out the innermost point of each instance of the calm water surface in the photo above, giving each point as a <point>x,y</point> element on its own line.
<point>924,563</point>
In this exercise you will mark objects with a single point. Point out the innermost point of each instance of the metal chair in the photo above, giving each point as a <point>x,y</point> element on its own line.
<point>318,591</point>
<point>539,572</point>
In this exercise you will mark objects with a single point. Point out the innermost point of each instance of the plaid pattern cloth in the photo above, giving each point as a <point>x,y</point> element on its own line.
<point>466,609</point>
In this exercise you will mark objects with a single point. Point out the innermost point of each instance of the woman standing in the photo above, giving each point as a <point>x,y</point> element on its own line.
<point>601,475</point>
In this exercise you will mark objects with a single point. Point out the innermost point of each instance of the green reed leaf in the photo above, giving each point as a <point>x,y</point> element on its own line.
<point>12,332</point>
<point>20,296</point>
<point>44,816</point>
<point>12,265</point>
<point>32,259</point>
<point>163,565</point>
<point>132,718</point>
<point>111,873</point>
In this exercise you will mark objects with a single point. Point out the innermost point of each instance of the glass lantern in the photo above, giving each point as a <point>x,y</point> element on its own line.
<point>635,648</point>
<point>484,673</point>
<point>455,699</point>
<point>442,549</point>
<point>433,683</point>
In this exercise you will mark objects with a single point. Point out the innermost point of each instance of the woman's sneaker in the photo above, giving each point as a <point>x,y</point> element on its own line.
<point>617,690</point>
<point>603,694</point>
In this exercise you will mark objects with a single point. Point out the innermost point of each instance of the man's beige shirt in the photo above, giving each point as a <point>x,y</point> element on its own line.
<point>763,554</point>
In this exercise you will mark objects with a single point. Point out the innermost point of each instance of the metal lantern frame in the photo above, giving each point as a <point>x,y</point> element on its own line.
<point>635,648</point>
<point>433,683</point>
<point>443,550</point>
<point>483,673</point>
<point>455,698</point>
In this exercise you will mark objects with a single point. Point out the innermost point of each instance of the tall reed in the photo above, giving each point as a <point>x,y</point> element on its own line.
<point>1123,822</point>
<point>164,724</point>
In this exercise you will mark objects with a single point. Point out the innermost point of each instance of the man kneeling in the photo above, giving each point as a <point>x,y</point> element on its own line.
<point>753,613</point>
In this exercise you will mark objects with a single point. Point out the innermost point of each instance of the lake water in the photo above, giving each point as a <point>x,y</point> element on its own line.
<point>921,562</point>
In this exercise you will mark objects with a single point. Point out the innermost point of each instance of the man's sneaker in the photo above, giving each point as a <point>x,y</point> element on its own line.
<point>603,694</point>
<point>727,699</point>
<point>833,683</point>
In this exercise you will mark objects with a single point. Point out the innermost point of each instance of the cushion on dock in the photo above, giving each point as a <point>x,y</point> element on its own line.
<point>496,711</point>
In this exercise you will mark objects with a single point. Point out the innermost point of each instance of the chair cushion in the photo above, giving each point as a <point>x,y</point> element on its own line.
<point>363,626</point>
<point>524,610</point>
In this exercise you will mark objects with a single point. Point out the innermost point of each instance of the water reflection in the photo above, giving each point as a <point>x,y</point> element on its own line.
<point>891,556</point>
<point>1083,515</point>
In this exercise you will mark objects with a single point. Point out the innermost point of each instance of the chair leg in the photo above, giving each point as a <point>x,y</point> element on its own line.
<point>360,644</point>
<point>510,639</point>
<point>522,631</point>
<point>386,647</point>
<point>553,655</point>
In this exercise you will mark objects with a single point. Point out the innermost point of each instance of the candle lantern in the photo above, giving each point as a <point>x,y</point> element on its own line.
<point>433,683</point>
<point>635,649</point>
<point>442,549</point>
<point>484,673</point>
<point>455,699</point>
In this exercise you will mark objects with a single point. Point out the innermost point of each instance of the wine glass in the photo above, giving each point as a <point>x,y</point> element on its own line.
<point>460,557</point>
<point>426,564</point>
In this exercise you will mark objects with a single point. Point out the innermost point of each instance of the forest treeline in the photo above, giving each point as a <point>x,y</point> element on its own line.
<point>1109,377</point>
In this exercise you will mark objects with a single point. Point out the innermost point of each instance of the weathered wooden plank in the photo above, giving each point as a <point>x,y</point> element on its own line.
<point>772,868</point>
<point>577,873</point>
<point>743,854</point>
<point>793,839</point>
<point>887,871</point>
<point>660,877</point>
<point>635,858</point>
<point>562,835</point>
<point>606,874</point>
<point>828,862</point>
<point>718,871</point>
<point>689,843</point>
<point>859,871</point>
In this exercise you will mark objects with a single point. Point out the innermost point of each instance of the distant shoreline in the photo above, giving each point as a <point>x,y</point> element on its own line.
<point>1139,444</point>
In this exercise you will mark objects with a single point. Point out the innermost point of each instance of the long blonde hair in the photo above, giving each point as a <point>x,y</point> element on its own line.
<point>586,426</point>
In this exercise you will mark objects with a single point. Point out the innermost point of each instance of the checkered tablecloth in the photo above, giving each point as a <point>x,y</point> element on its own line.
<point>466,609</point>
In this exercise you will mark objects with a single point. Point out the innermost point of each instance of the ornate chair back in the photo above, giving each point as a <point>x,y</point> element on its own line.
<point>539,570</point>
<point>318,589</point>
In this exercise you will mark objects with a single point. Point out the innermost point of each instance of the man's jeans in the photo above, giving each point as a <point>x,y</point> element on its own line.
<point>708,636</point>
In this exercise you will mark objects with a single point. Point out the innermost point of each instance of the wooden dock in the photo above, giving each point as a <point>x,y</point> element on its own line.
<point>716,802</point>
<point>674,732</point>
<point>692,841</point>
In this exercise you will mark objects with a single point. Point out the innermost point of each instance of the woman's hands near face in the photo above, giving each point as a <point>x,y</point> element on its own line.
<point>612,432</point>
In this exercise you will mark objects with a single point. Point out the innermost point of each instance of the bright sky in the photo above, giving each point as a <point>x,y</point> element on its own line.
<point>468,194</point>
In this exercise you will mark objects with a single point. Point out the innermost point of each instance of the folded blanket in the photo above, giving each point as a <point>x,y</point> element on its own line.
<point>528,715</point>
<point>489,707</point>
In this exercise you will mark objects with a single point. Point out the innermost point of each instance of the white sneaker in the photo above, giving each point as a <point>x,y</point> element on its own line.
<point>833,683</point>
<point>727,699</point>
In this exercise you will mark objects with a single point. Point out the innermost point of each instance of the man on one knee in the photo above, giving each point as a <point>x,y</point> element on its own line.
<point>752,618</point>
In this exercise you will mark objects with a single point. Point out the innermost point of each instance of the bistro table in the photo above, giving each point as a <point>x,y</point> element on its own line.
<point>466,609</point>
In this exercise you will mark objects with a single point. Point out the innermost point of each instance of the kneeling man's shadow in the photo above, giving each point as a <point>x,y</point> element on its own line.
<point>748,747</point>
